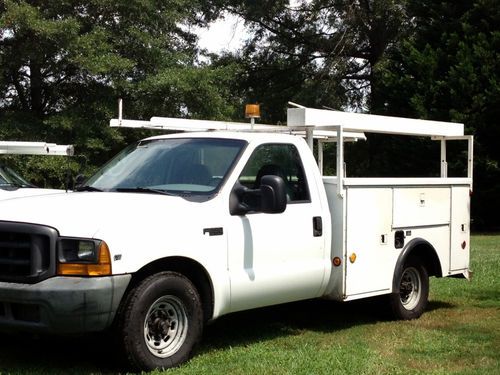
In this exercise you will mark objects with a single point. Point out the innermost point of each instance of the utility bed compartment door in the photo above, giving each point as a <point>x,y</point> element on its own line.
<point>419,206</point>
<point>460,228</point>
<point>369,216</point>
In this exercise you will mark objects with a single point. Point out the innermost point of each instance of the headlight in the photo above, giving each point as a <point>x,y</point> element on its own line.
<point>83,257</point>
<point>79,251</point>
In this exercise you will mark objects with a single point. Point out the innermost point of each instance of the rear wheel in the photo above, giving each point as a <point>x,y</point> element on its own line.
<point>410,299</point>
<point>161,322</point>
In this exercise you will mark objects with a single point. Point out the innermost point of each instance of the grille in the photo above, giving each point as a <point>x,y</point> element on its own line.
<point>26,252</point>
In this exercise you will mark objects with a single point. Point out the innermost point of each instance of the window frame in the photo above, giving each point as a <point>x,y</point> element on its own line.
<point>300,165</point>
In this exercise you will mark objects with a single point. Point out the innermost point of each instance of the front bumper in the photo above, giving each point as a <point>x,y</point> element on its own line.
<point>61,305</point>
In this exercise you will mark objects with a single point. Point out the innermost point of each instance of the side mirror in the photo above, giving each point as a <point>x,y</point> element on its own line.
<point>273,194</point>
<point>269,198</point>
<point>79,180</point>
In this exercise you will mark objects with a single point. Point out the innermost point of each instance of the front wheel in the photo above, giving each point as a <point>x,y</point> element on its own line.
<point>161,322</point>
<point>410,299</point>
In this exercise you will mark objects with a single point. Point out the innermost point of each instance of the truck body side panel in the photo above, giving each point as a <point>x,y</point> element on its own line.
<point>336,286</point>
<point>370,220</point>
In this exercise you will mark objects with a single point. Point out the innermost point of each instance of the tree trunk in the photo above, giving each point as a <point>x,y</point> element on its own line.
<point>36,88</point>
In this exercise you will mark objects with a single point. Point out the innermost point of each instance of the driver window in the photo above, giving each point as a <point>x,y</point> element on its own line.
<point>280,160</point>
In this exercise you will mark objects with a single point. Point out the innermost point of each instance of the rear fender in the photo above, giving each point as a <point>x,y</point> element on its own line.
<point>420,249</point>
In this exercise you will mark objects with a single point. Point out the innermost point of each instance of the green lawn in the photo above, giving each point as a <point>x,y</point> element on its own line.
<point>459,334</point>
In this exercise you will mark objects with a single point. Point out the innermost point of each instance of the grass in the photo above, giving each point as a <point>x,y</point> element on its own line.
<point>459,334</point>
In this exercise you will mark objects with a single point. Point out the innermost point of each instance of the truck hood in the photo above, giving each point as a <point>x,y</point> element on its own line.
<point>83,214</point>
<point>26,192</point>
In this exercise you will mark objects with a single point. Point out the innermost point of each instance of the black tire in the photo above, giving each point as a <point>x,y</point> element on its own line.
<point>410,298</point>
<point>160,322</point>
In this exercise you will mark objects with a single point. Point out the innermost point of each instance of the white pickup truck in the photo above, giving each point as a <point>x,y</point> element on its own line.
<point>178,230</point>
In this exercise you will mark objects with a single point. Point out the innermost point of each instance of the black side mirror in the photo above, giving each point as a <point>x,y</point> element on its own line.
<point>269,198</point>
<point>79,180</point>
<point>68,181</point>
<point>273,194</point>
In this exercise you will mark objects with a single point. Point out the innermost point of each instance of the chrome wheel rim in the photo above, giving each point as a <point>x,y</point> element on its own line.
<point>410,288</point>
<point>165,326</point>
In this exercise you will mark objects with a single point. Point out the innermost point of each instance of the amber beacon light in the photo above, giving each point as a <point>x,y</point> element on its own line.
<point>252,111</point>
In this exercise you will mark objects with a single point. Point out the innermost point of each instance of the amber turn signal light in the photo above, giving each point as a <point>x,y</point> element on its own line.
<point>101,268</point>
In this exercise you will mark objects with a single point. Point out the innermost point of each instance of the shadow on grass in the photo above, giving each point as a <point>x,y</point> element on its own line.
<point>23,354</point>
<point>244,328</point>
<point>438,305</point>
<point>31,354</point>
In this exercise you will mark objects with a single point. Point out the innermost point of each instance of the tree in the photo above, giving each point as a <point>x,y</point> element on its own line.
<point>319,53</point>
<point>449,70</point>
<point>64,64</point>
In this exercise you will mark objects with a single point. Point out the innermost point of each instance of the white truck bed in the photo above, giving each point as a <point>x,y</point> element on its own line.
<point>365,220</point>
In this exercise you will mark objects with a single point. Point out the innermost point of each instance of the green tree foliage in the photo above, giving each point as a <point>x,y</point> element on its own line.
<point>449,69</point>
<point>64,64</point>
<point>318,53</point>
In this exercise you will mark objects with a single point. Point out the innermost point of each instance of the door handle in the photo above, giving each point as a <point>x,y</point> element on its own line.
<point>317,226</point>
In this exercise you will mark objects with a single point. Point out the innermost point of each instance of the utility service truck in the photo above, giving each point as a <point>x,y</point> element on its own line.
<point>180,229</point>
<point>12,185</point>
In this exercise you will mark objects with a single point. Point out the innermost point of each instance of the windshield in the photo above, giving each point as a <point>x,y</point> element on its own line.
<point>10,178</point>
<point>178,166</point>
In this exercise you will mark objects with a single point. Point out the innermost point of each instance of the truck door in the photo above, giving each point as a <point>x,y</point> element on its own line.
<point>275,258</point>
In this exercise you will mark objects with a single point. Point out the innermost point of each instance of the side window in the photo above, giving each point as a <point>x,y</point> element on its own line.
<point>282,160</point>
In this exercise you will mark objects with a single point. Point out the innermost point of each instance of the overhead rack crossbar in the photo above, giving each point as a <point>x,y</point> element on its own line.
<point>35,148</point>
<point>193,125</point>
<point>360,122</point>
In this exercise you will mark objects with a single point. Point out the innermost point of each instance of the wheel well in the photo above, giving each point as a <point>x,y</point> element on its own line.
<point>424,251</point>
<point>193,270</point>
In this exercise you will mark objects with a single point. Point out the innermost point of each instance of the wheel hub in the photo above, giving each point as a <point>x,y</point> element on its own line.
<point>406,290</point>
<point>160,326</point>
<point>410,288</point>
<point>165,326</point>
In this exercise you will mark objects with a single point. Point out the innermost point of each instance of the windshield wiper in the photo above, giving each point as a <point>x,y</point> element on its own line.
<point>15,185</point>
<point>87,188</point>
<point>143,190</point>
<point>9,187</point>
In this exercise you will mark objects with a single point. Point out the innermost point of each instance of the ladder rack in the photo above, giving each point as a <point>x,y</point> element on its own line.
<point>191,125</point>
<point>325,126</point>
